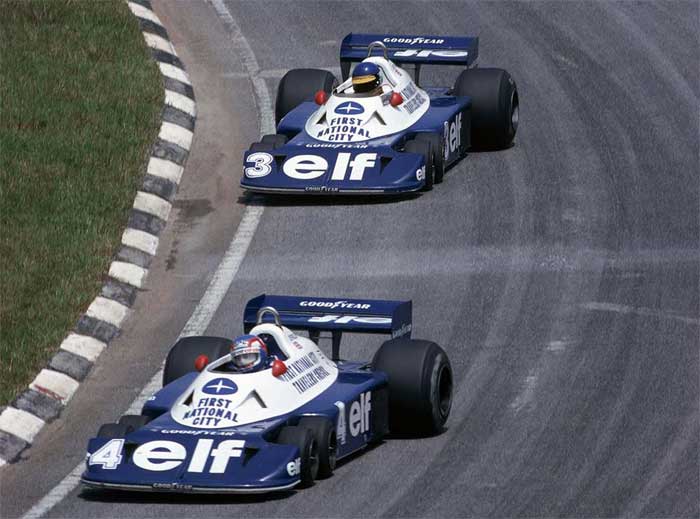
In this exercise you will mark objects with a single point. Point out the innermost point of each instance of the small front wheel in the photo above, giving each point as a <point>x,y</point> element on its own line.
<point>110,431</point>
<point>438,147</point>
<point>308,452</point>
<point>324,432</point>
<point>134,421</point>
<point>425,148</point>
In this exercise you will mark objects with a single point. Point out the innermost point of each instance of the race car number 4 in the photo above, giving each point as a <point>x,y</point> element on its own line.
<point>163,455</point>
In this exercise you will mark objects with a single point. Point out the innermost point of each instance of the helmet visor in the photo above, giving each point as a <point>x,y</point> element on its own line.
<point>245,358</point>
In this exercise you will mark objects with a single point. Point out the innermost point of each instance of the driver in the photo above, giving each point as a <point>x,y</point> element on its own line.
<point>249,354</point>
<point>365,79</point>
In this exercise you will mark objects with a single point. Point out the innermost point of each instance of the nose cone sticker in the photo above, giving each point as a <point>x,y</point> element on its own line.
<point>349,108</point>
<point>220,386</point>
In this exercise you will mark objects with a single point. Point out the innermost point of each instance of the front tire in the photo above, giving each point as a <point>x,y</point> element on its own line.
<point>109,431</point>
<point>438,147</point>
<point>308,451</point>
<point>420,385</point>
<point>324,432</point>
<point>423,147</point>
<point>495,106</point>
<point>276,139</point>
<point>134,421</point>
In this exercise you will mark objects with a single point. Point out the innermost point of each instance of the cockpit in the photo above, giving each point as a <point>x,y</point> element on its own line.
<point>368,79</point>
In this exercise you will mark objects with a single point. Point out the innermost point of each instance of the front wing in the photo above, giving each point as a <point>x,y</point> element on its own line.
<point>147,460</point>
<point>308,169</point>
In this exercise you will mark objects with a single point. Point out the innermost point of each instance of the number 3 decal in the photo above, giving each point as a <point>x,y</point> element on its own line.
<point>261,167</point>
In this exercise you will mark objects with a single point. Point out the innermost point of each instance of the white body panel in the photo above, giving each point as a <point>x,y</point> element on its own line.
<point>218,399</point>
<point>349,117</point>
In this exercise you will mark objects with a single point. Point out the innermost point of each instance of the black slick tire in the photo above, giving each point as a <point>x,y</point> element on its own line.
<point>438,147</point>
<point>308,451</point>
<point>425,148</point>
<point>495,106</point>
<point>324,433</point>
<point>276,139</point>
<point>110,431</point>
<point>134,421</point>
<point>180,360</point>
<point>262,146</point>
<point>420,385</point>
<point>299,85</point>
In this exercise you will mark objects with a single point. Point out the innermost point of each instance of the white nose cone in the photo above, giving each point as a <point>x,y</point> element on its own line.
<point>347,120</point>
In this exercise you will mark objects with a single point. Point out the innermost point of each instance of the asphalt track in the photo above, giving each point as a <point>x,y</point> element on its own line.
<point>561,275</point>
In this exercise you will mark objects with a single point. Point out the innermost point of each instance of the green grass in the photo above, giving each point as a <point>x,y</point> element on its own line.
<point>80,101</point>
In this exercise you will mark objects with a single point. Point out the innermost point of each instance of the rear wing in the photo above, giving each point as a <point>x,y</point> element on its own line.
<point>402,48</point>
<point>335,315</point>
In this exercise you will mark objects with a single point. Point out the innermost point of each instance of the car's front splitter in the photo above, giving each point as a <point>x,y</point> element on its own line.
<point>185,488</point>
<point>331,191</point>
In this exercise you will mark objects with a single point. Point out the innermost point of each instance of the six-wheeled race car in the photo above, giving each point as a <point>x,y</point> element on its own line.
<point>222,423</point>
<point>379,131</point>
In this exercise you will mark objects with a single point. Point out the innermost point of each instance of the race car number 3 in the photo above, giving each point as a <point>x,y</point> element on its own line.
<point>261,164</point>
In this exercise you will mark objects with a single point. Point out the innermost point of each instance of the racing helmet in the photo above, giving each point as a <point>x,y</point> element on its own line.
<point>365,77</point>
<point>248,353</point>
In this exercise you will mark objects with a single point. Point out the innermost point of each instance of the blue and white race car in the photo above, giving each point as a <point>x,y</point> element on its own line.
<point>379,131</point>
<point>218,426</point>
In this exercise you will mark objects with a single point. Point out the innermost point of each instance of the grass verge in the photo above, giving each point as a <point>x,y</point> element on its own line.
<point>79,108</point>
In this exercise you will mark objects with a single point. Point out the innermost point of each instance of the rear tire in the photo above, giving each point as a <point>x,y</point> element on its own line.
<point>182,355</point>
<point>299,85</point>
<point>495,106</point>
<point>425,148</point>
<point>324,433</point>
<point>308,451</point>
<point>420,385</point>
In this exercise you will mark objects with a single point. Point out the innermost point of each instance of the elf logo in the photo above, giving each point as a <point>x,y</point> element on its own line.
<point>453,135</point>
<point>427,53</point>
<point>345,319</point>
<point>164,455</point>
<point>358,418</point>
<point>357,421</point>
<point>309,167</point>
<point>294,467</point>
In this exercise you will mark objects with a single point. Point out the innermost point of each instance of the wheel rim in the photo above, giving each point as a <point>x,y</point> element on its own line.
<point>515,113</point>
<point>332,447</point>
<point>313,458</point>
<point>444,387</point>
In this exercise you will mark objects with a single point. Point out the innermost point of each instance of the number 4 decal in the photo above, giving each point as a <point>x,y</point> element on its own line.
<point>109,455</point>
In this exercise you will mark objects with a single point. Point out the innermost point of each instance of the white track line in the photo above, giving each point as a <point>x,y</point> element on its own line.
<point>245,52</point>
<point>225,272</point>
